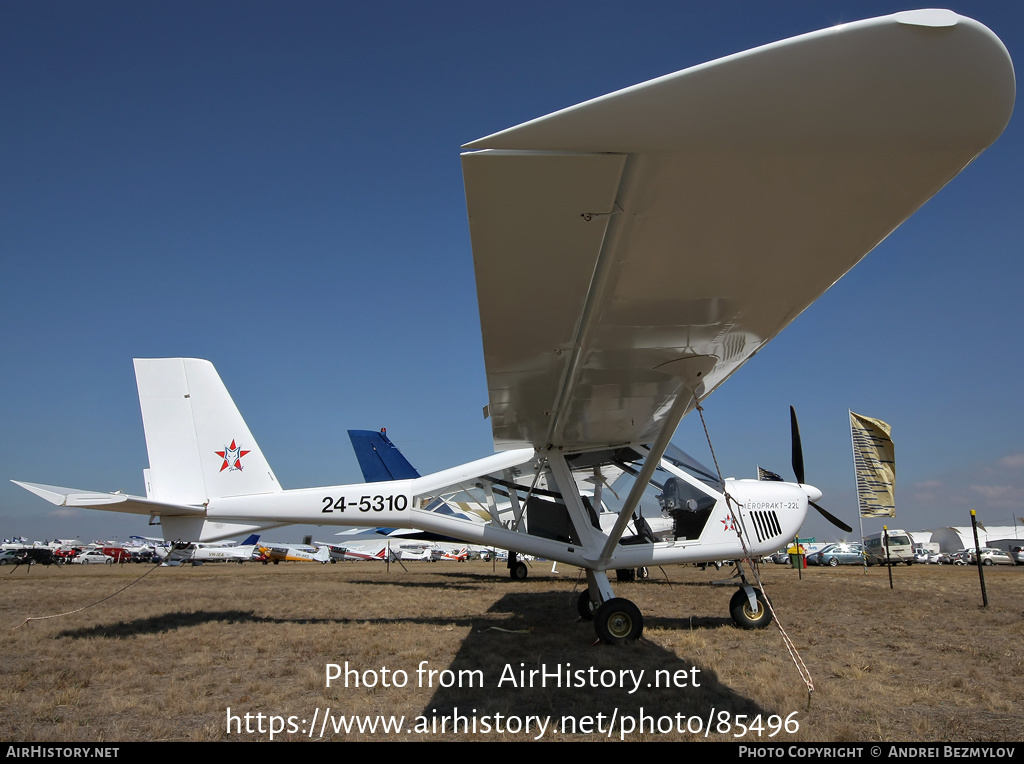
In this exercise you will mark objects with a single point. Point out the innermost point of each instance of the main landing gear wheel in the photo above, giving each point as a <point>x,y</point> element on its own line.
<point>518,571</point>
<point>744,615</point>
<point>618,621</point>
<point>586,606</point>
<point>625,575</point>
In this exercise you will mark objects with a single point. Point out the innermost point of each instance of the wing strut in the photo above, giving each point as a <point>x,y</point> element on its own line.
<point>690,370</point>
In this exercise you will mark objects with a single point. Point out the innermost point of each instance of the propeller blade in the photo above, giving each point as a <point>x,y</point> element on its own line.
<point>798,451</point>
<point>832,518</point>
<point>798,469</point>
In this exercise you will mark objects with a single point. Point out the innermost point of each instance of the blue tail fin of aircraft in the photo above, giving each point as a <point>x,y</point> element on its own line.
<point>379,458</point>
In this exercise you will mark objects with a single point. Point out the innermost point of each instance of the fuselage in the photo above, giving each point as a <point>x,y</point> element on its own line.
<point>757,518</point>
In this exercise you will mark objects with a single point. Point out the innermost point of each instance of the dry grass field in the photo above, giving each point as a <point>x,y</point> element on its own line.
<point>167,658</point>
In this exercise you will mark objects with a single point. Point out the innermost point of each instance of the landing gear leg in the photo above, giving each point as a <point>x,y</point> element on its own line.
<point>748,606</point>
<point>517,570</point>
<point>616,620</point>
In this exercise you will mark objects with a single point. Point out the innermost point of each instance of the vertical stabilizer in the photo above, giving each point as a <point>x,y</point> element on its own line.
<point>199,446</point>
<point>379,458</point>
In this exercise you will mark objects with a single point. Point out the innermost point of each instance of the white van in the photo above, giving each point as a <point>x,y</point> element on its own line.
<point>901,548</point>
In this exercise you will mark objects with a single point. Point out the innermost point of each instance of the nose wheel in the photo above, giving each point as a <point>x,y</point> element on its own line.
<point>743,612</point>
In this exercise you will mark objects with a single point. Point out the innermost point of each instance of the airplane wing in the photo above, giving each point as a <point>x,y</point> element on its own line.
<point>652,240</point>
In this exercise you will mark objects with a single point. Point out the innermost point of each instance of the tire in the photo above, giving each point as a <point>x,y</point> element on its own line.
<point>618,621</point>
<point>585,606</point>
<point>745,618</point>
<point>987,562</point>
<point>833,562</point>
<point>3,562</point>
<point>518,571</point>
<point>625,575</point>
<point>643,573</point>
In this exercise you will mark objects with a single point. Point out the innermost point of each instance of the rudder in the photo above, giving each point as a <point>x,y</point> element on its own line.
<point>199,446</point>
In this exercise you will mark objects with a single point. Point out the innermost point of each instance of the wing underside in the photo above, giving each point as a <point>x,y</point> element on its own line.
<point>635,245</point>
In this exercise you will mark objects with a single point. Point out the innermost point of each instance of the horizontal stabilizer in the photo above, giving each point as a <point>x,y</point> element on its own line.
<point>115,502</point>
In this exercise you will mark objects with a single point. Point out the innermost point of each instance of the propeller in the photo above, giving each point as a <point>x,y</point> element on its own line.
<point>798,470</point>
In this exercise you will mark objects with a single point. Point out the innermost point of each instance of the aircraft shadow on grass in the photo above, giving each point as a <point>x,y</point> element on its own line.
<point>527,631</point>
<point>171,621</point>
<point>520,617</point>
<point>598,683</point>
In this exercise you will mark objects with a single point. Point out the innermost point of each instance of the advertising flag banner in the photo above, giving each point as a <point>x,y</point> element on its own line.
<point>874,461</point>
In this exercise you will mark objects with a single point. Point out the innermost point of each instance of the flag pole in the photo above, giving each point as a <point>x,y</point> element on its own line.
<point>860,517</point>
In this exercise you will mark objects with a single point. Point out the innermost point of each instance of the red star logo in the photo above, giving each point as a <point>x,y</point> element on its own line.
<point>232,457</point>
<point>727,522</point>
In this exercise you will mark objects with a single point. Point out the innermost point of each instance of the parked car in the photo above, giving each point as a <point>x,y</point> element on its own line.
<point>838,554</point>
<point>1017,553</point>
<point>92,557</point>
<point>117,553</point>
<point>961,557</point>
<point>892,547</point>
<point>67,555</point>
<point>990,556</point>
<point>41,555</point>
<point>11,556</point>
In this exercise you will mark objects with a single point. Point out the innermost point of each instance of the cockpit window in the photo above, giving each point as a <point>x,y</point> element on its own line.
<point>679,458</point>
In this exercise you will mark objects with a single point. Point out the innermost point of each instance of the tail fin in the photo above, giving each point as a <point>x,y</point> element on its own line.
<point>379,458</point>
<point>199,446</point>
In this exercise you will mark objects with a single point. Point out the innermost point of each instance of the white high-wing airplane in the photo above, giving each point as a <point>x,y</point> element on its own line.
<point>631,253</point>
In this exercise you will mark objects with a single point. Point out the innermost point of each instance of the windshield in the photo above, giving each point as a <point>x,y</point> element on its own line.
<point>679,458</point>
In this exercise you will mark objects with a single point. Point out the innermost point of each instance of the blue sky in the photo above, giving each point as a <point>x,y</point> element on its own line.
<point>277,188</point>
